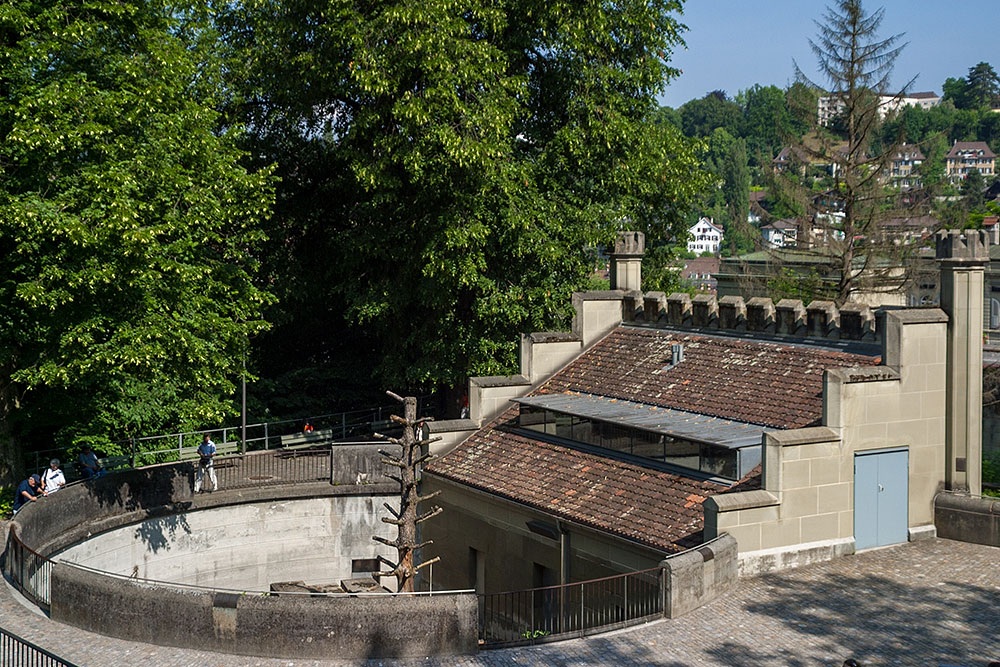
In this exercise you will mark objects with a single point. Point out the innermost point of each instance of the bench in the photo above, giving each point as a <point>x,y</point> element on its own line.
<point>320,437</point>
<point>233,447</point>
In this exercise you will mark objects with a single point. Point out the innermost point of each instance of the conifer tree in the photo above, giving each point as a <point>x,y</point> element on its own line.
<point>845,228</point>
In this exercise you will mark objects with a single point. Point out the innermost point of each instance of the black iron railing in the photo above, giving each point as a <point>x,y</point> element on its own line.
<point>557,612</point>
<point>17,651</point>
<point>283,466</point>
<point>170,447</point>
<point>28,571</point>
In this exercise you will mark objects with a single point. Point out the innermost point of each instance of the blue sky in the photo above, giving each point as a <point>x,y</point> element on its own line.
<point>733,44</point>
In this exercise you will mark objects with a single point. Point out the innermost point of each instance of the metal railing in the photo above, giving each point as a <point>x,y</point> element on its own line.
<point>22,653</point>
<point>557,612</point>
<point>165,448</point>
<point>276,466</point>
<point>28,571</point>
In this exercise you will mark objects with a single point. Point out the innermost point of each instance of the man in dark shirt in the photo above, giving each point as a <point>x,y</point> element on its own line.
<point>27,491</point>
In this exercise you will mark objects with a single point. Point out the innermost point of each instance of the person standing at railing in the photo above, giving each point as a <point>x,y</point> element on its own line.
<point>27,491</point>
<point>206,453</point>
<point>53,478</point>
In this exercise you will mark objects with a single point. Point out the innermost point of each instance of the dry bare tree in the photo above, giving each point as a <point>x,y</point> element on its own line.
<point>845,229</point>
<point>408,517</point>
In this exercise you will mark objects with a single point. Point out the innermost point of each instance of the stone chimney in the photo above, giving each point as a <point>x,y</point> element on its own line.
<point>963,256</point>
<point>626,261</point>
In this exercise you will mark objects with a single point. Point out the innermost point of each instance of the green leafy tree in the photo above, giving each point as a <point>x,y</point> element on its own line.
<point>127,229</point>
<point>668,115</point>
<point>973,188</point>
<point>740,234</point>
<point>767,123</point>
<point>801,100</point>
<point>445,167</point>
<point>715,110</point>
<point>956,91</point>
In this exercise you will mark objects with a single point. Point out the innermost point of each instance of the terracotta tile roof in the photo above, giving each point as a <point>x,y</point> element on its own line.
<point>960,147</point>
<point>753,381</point>
<point>699,266</point>
<point>656,508</point>
<point>766,383</point>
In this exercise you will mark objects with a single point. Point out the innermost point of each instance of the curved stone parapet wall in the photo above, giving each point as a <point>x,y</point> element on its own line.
<point>968,518</point>
<point>282,627</point>
<point>131,516</point>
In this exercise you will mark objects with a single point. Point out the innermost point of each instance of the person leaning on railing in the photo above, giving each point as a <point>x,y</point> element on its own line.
<point>53,478</point>
<point>28,491</point>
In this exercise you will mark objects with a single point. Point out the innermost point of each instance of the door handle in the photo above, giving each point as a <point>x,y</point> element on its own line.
<point>881,488</point>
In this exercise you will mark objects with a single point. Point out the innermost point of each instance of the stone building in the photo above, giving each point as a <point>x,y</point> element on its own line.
<point>803,431</point>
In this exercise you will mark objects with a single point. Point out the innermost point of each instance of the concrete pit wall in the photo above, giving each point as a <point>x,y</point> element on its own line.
<point>246,546</point>
<point>344,627</point>
<point>160,499</point>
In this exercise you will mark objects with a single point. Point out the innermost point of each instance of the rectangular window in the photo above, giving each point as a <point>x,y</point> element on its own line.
<point>586,431</point>
<point>563,423</point>
<point>617,438</point>
<point>718,461</point>
<point>648,445</point>
<point>365,565</point>
<point>683,453</point>
<point>532,418</point>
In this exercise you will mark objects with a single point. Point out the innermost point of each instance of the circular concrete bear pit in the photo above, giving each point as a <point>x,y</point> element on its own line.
<point>149,519</point>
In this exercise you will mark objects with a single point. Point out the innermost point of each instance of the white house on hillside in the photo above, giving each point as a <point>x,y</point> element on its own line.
<point>829,107</point>
<point>705,237</point>
<point>780,233</point>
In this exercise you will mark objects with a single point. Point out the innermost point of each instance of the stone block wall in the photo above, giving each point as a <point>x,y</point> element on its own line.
<point>805,509</point>
<point>900,404</point>
<point>789,317</point>
<point>698,576</point>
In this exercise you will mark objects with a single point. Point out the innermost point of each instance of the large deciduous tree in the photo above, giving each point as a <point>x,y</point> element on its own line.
<point>446,164</point>
<point>128,230</point>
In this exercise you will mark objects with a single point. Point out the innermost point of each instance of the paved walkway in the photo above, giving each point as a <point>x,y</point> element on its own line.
<point>927,603</point>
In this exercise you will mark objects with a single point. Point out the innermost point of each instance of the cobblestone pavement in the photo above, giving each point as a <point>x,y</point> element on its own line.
<point>926,603</point>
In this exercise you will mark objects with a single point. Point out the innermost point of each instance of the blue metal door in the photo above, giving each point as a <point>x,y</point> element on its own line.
<point>880,498</point>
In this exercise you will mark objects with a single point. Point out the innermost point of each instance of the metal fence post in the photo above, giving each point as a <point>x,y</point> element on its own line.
<point>133,452</point>
<point>625,581</point>
<point>265,435</point>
